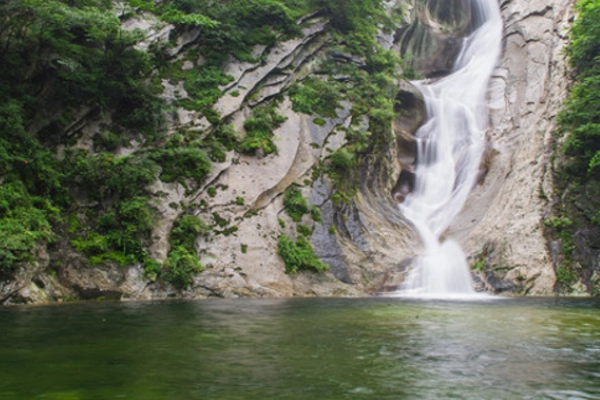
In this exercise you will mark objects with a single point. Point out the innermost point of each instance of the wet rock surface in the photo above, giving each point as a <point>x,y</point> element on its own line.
<point>525,95</point>
<point>432,40</point>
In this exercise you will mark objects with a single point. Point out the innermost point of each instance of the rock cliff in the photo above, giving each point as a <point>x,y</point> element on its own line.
<point>365,241</point>
<point>503,222</point>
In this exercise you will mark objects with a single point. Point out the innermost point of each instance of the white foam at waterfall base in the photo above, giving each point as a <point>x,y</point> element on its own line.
<point>450,146</point>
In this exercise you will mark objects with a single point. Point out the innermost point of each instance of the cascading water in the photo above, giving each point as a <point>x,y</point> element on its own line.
<point>450,146</point>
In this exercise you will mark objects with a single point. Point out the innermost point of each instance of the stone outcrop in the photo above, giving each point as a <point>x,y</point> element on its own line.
<point>502,222</point>
<point>433,38</point>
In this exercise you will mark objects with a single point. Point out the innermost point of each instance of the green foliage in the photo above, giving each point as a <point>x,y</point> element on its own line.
<point>565,276</point>
<point>316,96</point>
<point>119,229</point>
<point>299,255</point>
<point>180,266</point>
<point>371,86</point>
<point>315,213</point>
<point>227,231</point>
<point>73,55</point>
<point>294,203</point>
<point>479,265</point>
<point>202,85</point>
<point>152,268</point>
<point>581,116</point>
<point>183,261</point>
<point>585,35</point>
<point>226,136</point>
<point>219,221</point>
<point>332,230</point>
<point>119,233</point>
<point>578,171</point>
<point>339,167</point>
<point>244,248</point>
<point>109,141</point>
<point>239,201</point>
<point>56,58</point>
<point>24,220</point>
<point>259,130</point>
<point>242,24</point>
<point>212,191</point>
<point>177,17</point>
<point>186,231</point>
<point>358,19</point>
<point>179,164</point>
<point>558,223</point>
<point>104,177</point>
<point>304,230</point>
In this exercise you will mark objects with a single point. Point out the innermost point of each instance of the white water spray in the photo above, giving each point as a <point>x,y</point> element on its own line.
<point>450,146</point>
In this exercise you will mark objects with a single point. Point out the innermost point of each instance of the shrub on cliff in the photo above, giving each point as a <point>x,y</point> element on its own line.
<point>579,169</point>
<point>581,116</point>
<point>299,255</point>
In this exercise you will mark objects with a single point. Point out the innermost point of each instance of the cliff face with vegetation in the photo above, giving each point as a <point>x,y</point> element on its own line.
<point>196,149</point>
<point>255,148</point>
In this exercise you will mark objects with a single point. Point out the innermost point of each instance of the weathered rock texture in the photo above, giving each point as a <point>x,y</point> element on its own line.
<point>240,255</point>
<point>371,246</point>
<point>433,39</point>
<point>502,223</point>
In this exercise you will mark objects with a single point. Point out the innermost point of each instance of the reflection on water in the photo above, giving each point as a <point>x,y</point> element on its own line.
<point>381,348</point>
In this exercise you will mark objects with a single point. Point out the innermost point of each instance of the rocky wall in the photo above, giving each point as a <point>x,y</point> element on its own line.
<point>502,223</point>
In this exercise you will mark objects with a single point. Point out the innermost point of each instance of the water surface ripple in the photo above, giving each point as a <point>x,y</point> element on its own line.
<point>381,348</point>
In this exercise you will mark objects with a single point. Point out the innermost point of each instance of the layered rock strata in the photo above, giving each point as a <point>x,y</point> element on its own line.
<point>367,242</point>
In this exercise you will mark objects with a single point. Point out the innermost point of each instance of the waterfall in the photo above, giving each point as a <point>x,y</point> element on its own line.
<point>450,146</point>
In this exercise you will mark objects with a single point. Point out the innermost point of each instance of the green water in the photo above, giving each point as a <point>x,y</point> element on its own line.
<point>376,348</point>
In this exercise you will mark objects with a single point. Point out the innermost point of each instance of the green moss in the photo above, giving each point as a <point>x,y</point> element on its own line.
<point>332,230</point>
<point>244,248</point>
<point>212,191</point>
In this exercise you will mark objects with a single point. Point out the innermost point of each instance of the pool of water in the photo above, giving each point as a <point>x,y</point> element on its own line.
<point>375,348</point>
